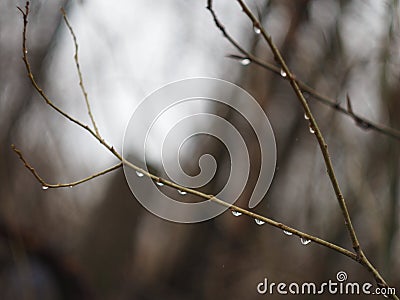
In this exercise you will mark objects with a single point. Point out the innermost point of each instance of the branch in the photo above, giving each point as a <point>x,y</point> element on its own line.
<point>321,141</point>
<point>46,185</point>
<point>313,123</point>
<point>43,94</point>
<point>78,68</point>
<point>332,103</point>
<point>238,210</point>
<point>357,256</point>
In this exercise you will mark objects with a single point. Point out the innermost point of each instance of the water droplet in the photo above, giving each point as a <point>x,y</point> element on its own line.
<point>257,29</point>
<point>259,222</point>
<point>305,241</point>
<point>236,213</point>
<point>306,116</point>
<point>182,192</point>
<point>245,61</point>
<point>45,187</point>
<point>26,51</point>
<point>70,186</point>
<point>283,73</point>
<point>311,129</point>
<point>159,183</point>
<point>287,232</point>
<point>139,174</point>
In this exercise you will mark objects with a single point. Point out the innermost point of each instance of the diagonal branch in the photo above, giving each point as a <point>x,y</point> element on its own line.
<point>361,122</point>
<point>321,141</point>
<point>78,68</point>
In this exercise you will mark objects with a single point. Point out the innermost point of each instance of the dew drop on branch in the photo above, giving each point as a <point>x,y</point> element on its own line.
<point>45,187</point>
<point>311,129</point>
<point>305,241</point>
<point>306,116</point>
<point>245,61</point>
<point>259,222</point>
<point>257,29</point>
<point>287,232</point>
<point>236,213</point>
<point>139,174</point>
<point>182,192</point>
<point>283,73</point>
<point>159,183</point>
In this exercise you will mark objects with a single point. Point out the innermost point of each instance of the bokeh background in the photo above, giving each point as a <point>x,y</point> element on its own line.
<point>95,241</point>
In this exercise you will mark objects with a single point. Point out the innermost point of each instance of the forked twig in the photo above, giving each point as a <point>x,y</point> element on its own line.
<point>354,256</point>
<point>332,103</point>
<point>46,185</point>
<point>286,72</point>
<point>43,94</point>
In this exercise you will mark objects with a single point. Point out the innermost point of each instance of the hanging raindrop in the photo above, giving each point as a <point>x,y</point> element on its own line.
<point>139,174</point>
<point>45,187</point>
<point>257,29</point>
<point>287,232</point>
<point>259,222</point>
<point>182,192</point>
<point>283,73</point>
<point>159,183</point>
<point>305,241</point>
<point>245,61</point>
<point>236,213</point>
<point>306,116</point>
<point>311,129</point>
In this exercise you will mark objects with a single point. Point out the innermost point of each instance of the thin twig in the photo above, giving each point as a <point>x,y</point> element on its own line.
<point>78,68</point>
<point>332,103</point>
<point>46,98</point>
<point>60,185</point>
<point>323,146</point>
<point>152,176</point>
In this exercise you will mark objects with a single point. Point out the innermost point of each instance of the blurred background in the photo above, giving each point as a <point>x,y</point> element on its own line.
<point>95,241</point>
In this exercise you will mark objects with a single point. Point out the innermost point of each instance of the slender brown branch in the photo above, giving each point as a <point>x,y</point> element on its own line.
<point>78,68</point>
<point>352,255</point>
<point>321,141</point>
<point>46,98</point>
<point>154,177</point>
<point>361,122</point>
<point>245,212</point>
<point>45,184</point>
<point>313,124</point>
<point>332,103</point>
